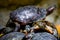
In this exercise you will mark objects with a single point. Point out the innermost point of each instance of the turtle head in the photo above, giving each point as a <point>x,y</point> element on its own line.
<point>45,12</point>
<point>50,9</point>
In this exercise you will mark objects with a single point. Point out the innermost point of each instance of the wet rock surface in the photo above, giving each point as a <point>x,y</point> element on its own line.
<point>13,36</point>
<point>1,27</point>
<point>37,36</point>
<point>26,16</point>
<point>43,36</point>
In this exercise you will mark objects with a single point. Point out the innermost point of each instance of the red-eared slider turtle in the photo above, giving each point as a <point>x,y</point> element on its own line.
<point>27,15</point>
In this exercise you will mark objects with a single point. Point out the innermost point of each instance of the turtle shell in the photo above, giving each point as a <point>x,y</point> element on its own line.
<point>28,14</point>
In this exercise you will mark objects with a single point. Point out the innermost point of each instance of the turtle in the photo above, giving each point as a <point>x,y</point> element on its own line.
<point>30,14</point>
<point>27,15</point>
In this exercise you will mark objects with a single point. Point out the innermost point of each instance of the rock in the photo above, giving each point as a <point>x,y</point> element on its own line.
<point>13,36</point>
<point>43,36</point>
<point>19,36</point>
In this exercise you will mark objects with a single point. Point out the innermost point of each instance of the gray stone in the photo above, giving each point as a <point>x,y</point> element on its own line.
<point>43,36</point>
<point>13,36</point>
